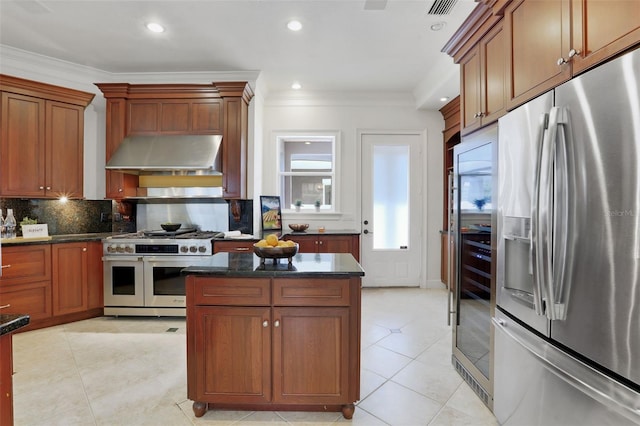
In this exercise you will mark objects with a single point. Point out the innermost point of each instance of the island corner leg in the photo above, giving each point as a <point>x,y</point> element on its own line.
<point>347,411</point>
<point>199,408</point>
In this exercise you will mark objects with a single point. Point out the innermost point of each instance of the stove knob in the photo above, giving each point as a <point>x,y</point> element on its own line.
<point>111,249</point>
<point>193,249</point>
<point>184,249</point>
<point>128,249</point>
<point>120,249</point>
<point>202,249</point>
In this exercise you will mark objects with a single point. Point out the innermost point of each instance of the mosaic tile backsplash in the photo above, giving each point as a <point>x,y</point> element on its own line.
<point>70,217</point>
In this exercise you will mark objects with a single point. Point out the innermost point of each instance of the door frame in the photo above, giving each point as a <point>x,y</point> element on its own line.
<point>422,134</point>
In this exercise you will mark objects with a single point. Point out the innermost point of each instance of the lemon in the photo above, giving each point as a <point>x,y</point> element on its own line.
<point>272,240</point>
<point>262,243</point>
<point>291,243</point>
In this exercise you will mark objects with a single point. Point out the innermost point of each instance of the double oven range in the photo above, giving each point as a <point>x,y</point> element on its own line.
<point>142,270</point>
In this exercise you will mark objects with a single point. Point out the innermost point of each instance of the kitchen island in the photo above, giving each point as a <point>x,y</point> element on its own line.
<point>274,335</point>
<point>8,324</point>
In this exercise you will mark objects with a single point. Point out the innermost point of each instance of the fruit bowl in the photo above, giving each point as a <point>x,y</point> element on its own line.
<point>275,253</point>
<point>299,227</point>
<point>170,227</point>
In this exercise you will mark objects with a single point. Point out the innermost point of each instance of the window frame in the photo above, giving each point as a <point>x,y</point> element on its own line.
<point>332,136</point>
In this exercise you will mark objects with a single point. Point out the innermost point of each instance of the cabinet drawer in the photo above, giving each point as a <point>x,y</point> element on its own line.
<point>33,299</point>
<point>26,264</point>
<point>233,246</point>
<point>231,291</point>
<point>311,292</point>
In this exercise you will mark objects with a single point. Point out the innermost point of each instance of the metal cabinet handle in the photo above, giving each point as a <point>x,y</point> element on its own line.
<point>561,61</point>
<point>5,306</point>
<point>48,188</point>
<point>41,187</point>
<point>265,323</point>
<point>321,242</point>
<point>119,189</point>
<point>5,266</point>
<point>242,248</point>
<point>276,323</point>
<point>84,249</point>
<point>573,52</point>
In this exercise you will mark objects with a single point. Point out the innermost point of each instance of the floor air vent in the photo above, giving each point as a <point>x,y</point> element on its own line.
<point>472,382</point>
<point>442,7</point>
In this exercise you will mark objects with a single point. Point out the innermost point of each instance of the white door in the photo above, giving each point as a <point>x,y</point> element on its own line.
<point>391,239</point>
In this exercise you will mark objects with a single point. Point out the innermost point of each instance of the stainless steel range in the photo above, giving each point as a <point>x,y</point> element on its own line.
<point>142,270</point>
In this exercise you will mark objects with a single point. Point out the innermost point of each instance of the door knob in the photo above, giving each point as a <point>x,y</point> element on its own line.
<point>366,231</point>
<point>366,222</point>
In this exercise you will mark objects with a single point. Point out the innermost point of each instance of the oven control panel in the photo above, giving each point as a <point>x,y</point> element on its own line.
<point>177,248</point>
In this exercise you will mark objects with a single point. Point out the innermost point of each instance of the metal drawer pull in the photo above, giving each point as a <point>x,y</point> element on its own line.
<point>242,248</point>
<point>5,266</point>
<point>5,306</point>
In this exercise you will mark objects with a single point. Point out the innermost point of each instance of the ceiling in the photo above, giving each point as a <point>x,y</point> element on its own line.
<point>344,45</point>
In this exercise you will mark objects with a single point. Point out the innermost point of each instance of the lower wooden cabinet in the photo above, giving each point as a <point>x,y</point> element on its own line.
<point>6,380</point>
<point>330,243</point>
<point>52,283</point>
<point>273,343</point>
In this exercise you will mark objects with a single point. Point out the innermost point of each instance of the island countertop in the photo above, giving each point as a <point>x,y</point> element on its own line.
<point>12,322</point>
<point>303,264</point>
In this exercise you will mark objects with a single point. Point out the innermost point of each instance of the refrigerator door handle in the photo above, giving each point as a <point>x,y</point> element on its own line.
<point>449,244</point>
<point>561,255</point>
<point>536,252</point>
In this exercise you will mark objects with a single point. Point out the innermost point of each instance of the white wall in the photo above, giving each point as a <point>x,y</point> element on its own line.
<point>348,113</point>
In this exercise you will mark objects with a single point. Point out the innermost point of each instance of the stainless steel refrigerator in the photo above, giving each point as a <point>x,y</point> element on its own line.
<point>567,322</point>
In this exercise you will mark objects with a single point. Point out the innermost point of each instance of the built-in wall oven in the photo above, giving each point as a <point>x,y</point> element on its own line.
<point>142,271</point>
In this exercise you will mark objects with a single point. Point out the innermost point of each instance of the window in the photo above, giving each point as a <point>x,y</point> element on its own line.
<point>307,170</point>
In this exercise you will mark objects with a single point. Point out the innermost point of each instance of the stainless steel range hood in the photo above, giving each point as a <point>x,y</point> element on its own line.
<point>173,154</point>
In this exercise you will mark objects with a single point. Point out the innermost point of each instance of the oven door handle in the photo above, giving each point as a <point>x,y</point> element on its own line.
<point>122,258</point>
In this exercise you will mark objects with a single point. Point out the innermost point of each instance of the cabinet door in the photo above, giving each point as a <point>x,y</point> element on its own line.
<point>6,380</point>
<point>537,36</point>
<point>95,276</point>
<point>143,117</point>
<point>206,116</point>
<point>175,116</point>
<point>493,71</point>
<point>234,149</point>
<point>231,356</point>
<point>306,243</point>
<point>69,284</point>
<point>311,355</point>
<point>22,146</point>
<point>64,150</point>
<point>603,28</point>
<point>470,90</point>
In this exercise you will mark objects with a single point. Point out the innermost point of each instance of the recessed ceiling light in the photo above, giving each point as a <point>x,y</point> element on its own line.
<point>296,86</point>
<point>444,99</point>
<point>294,25</point>
<point>437,26</point>
<point>155,27</point>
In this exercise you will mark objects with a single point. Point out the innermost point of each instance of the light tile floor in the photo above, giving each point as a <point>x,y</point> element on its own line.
<point>132,371</point>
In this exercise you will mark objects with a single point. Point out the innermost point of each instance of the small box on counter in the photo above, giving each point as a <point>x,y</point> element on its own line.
<point>40,230</point>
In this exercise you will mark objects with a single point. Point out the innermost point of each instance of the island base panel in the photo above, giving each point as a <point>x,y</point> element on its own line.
<point>200,408</point>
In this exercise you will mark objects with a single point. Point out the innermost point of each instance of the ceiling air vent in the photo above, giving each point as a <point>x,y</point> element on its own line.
<point>442,7</point>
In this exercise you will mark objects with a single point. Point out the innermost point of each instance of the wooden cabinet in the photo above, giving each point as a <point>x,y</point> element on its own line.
<point>233,246</point>
<point>483,81</point>
<point>42,139</point>
<point>70,278</point>
<point>175,116</point>
<point>537,35</point>
<point>6,380</point>
<point>25,284</point>
<point>273,343</point>
<point>180,109</point>
<point>548,42</point>
<point>601,29</point>
<point>52,283</point>
<point>330,243</point>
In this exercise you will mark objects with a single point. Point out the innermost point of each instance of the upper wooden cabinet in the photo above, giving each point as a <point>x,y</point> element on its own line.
<point>537,35</point>
<point>544,43</point>
<point>601,29</point>
<point>175,116</point>
<point>42,139</point>
<point>482,74</point>
<point>172,109</point>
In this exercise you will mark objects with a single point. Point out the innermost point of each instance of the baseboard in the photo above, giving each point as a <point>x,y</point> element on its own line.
<point>434,284</point>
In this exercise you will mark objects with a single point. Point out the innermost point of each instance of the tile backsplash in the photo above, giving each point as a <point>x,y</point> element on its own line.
<point>70,217</point>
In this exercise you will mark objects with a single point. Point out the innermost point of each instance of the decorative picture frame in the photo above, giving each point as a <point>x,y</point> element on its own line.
<point>271,213</point>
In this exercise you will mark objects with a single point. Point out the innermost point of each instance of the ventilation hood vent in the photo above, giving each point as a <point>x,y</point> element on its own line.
<point>442,7</point>
<point>176,154</point>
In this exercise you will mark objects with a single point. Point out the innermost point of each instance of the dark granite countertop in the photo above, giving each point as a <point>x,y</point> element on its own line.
<point>11,322</point>
<point>303,265</point>
<point>56,239</point>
